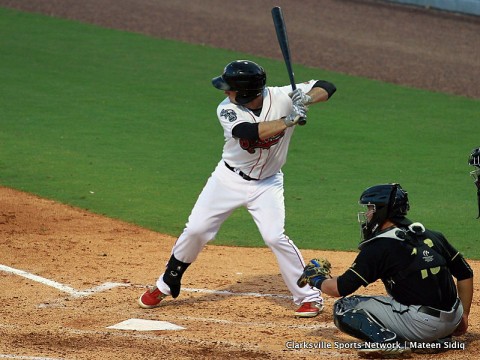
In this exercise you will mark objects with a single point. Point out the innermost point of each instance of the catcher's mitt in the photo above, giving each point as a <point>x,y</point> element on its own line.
<point>315,270</point>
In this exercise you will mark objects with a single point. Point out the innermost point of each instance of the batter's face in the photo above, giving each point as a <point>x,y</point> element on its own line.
<point>254,104</point>
<point>231,95</point>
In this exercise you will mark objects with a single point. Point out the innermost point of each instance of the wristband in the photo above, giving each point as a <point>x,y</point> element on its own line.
<point>317,281</point>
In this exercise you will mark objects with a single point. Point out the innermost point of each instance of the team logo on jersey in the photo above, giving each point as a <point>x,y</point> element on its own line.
<point>426,256</point>
<point>229,114</point>
<point>251,145</point>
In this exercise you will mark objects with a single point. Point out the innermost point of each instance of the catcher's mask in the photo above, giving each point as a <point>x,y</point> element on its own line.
<point>474,160</point>
<point>245,77</point>
<point>381,202</point>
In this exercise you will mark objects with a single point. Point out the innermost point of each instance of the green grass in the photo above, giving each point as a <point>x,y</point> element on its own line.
<point>124,125</point>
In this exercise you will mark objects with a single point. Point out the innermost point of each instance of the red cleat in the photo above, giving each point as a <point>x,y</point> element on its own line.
<point>151,298</point>
<point>309,309</point>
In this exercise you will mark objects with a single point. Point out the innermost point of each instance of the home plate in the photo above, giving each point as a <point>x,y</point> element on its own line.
<point>145,325</point>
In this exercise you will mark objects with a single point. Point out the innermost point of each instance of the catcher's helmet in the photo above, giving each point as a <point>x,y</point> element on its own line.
<point>474,158</point>
<point>243,76</point>
<point>389,201</point>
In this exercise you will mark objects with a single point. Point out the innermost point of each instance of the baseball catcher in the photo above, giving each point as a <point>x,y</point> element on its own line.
<point>474,160</point>
<point>417,267</point>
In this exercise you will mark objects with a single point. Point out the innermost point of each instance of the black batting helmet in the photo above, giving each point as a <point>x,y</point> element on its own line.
<point>245,77</point>
<point>390,201</point>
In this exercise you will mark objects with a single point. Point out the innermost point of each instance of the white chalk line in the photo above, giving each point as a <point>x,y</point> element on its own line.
<point>230,293</point>
<point>321,326</point>
<point>110,285</point>
<point>187,340</point>
<point>106,286</point>
<point>62,287</point>
<point>201,342</point>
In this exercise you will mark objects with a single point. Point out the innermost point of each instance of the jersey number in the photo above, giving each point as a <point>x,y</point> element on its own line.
<point>433,270</point>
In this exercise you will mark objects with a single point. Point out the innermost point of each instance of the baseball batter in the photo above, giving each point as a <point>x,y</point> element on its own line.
<point>417,267</point>
<point>258,123</point>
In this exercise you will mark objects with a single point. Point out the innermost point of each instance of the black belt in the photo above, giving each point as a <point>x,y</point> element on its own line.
<point>239,172</point>
<point>429,311</point>
<point>434,312</point>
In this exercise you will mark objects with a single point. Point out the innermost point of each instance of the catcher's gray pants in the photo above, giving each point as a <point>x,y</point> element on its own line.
<point>414,322</point>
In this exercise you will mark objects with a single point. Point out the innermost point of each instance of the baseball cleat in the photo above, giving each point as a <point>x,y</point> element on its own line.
<point>309,309</point>
<point>151,298</point>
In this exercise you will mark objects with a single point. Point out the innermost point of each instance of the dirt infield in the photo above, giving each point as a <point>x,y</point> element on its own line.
<point>67,275</point>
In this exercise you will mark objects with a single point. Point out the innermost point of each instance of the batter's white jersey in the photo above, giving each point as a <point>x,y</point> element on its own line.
<point>261,158</point>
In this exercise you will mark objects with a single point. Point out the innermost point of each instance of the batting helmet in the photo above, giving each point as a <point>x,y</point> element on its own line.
<point>245,77</point>
<point>389,201</point>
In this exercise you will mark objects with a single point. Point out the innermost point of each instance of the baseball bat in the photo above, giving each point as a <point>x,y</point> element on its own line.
<point>282,37</point>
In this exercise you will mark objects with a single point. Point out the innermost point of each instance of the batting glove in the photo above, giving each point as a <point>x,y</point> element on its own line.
<point>299,111</point>
<point>299,96</point>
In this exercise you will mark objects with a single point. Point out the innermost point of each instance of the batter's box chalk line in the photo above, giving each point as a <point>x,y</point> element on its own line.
<point>110,285</point>
<point>230,293</point>
<point>11,356</point>
<point>62,287</point>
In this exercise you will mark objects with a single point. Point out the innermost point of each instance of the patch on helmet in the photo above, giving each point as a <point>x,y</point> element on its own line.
<point>229,114</point>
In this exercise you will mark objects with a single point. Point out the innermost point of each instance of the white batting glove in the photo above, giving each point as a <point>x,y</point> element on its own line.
<point>299,111</point>
<point>299,96</point>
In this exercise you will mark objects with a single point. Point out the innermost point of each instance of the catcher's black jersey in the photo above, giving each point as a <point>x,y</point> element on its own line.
<point>390,259</point>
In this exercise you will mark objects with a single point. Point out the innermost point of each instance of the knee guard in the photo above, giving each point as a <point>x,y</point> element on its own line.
<point>348,303</point>
<point>362,325</point>
<point>173,275</point>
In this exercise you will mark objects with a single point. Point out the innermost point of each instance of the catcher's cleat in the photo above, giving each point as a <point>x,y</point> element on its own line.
<point>309,309</point>
<point>151,298</point>
<point>394,351</point>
